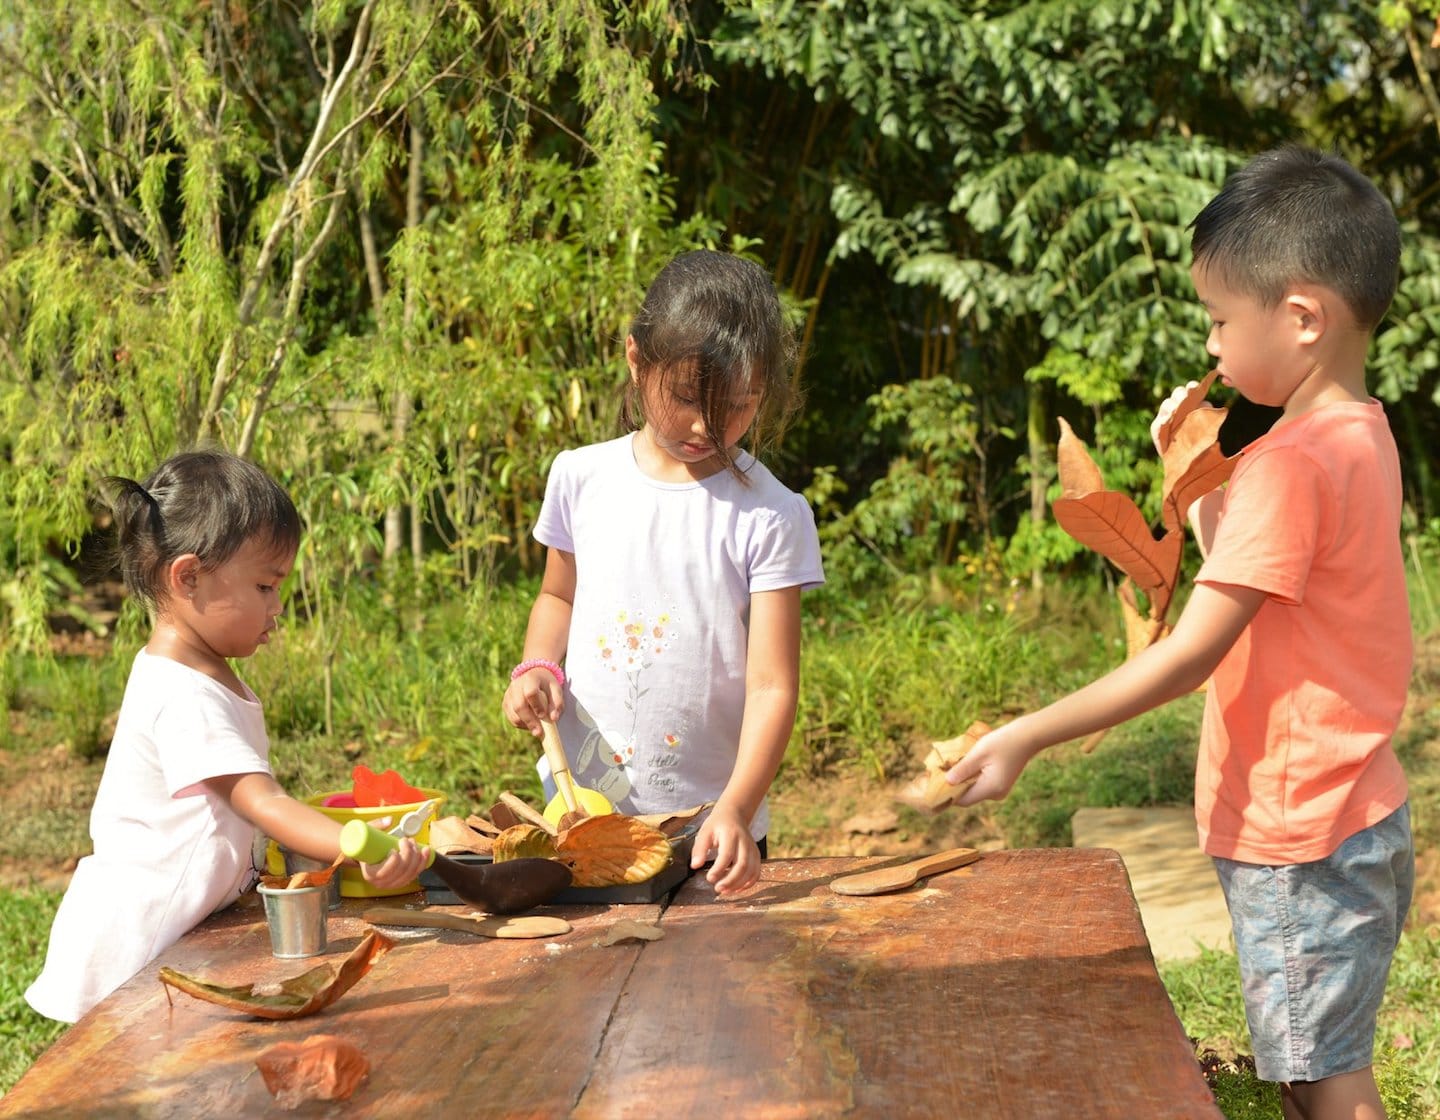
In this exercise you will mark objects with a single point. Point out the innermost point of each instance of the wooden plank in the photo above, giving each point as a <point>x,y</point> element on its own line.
<point>450,1023</point>
<point>1020,986</point>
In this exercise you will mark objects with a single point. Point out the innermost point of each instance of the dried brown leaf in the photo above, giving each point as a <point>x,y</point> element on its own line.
<point>523,840</point>
<point>295,998</point>
<point>929,791</point>
<point>672,824</point>
<point>449,835</point>
<point>321,1068</point>
<point>1112,525</point>
<point>612,849</point>
<point>483,826</point>
<point>1192,400</point>
<point>628,929</point>
<point>1078,473</point>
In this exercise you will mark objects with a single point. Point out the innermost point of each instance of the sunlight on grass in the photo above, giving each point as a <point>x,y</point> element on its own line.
<point>24,932</point>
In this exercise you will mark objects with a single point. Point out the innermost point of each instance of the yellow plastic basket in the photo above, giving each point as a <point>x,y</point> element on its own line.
<point>352,883</point>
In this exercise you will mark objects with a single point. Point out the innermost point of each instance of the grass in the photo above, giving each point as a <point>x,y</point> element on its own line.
<point>421,694</point>
<point>25,917</point>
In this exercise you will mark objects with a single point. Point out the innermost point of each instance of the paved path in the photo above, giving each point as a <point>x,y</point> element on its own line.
<point>1174,882</point>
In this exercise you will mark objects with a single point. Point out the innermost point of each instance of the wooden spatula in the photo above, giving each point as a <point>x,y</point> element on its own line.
<point>902,875</point>
<point>527,925</point>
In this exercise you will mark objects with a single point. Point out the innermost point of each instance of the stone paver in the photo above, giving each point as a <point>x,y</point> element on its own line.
<point>1181,904</point>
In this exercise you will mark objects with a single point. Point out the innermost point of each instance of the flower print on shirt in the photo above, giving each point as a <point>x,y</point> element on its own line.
<point>629,646</point>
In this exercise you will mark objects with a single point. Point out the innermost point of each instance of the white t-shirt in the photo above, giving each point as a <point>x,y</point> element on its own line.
<point>168,853</point>
<point>656,660</point>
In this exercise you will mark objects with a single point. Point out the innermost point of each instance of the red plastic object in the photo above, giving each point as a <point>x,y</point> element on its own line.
<point>340,801</point>
<point>387,788</point>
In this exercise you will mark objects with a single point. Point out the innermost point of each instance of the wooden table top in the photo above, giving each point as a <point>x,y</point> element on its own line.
<point>1021,986</point>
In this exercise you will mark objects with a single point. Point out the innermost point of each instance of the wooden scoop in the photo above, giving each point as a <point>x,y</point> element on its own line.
<point>579,802</point>
<point>526,925</point>
<point>902,875</point>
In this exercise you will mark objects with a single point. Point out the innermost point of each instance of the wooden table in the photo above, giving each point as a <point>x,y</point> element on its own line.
<point>1021,986</point>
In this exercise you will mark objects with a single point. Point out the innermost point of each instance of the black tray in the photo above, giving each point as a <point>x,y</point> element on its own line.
<point>437,893</point>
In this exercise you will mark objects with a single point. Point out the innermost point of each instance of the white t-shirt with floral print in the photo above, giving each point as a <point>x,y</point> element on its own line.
<point>658,636</point>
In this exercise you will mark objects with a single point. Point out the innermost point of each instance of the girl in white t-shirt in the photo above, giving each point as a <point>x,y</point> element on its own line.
<point>204,543</point>
<point>673,571</point>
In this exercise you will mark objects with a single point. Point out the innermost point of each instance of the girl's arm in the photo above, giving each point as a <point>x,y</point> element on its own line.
<point>1214,617</point>
<point>772,691</point>
<point>259,798</point>
<point>536,694</point>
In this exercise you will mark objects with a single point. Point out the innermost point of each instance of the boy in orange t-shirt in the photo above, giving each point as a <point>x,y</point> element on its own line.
<point>1300,623</point>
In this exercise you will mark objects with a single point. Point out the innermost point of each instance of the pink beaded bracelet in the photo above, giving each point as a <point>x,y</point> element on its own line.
<point>539,663</point>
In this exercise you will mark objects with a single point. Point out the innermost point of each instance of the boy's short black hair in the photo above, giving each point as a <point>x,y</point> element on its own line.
<point>1294,215</point>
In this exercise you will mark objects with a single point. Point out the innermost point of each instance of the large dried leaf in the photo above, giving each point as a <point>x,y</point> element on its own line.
<point>321,1068</point>
<point>1110,523</point>
<point>522,840</point>
<point>612,849</point>
<point>295,998</point>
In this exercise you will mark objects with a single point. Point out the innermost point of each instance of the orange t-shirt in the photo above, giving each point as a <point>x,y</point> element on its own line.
<point>1295,751</point>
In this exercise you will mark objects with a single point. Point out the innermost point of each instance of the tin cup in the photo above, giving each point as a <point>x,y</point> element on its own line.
<point>294,862</point>
<point>297,919</point>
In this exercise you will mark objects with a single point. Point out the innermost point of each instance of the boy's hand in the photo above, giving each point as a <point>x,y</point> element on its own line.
<point>737,859</point>
<point>1160,426</point>
<point>994,762</point>
<point>532,697</point>
<point>401,866</point>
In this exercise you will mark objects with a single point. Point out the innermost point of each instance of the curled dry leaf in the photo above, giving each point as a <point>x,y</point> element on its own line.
<point>672,824</point>
<point>628,929</point>
<point>522,840</point>
<point>483,826</point>
<point>322,1068</point>
<point>449,835</point>
<point>930,792</point>
<point>295,998</point>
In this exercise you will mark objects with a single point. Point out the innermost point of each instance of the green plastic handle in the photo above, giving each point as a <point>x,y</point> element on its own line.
<point>369,845</point>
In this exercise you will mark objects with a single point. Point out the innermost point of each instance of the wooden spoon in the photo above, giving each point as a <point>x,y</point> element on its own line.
<point>576,808</point>
<point>902,875</point>
<point>527,925</point>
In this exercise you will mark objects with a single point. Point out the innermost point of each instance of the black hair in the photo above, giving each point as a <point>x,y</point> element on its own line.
<point>1294,215</point>
<point>717,316</point>
<point>206,502</point>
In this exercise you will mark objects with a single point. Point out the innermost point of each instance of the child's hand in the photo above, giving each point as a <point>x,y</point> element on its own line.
<point>531,697</point>
<point>994,762</point>
<point>1158,435</point>
<point>737,859</point>
<point>401,866</point>
<point>1160,427</point>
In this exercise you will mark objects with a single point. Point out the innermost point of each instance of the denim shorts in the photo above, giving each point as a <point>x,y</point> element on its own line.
<point>1315,942</point>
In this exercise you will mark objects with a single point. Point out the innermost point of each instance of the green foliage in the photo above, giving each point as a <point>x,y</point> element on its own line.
<point>204,242</point>
<point>25,917</point>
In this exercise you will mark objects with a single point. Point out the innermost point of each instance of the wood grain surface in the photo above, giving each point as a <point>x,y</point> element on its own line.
<point>1019,986</point>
